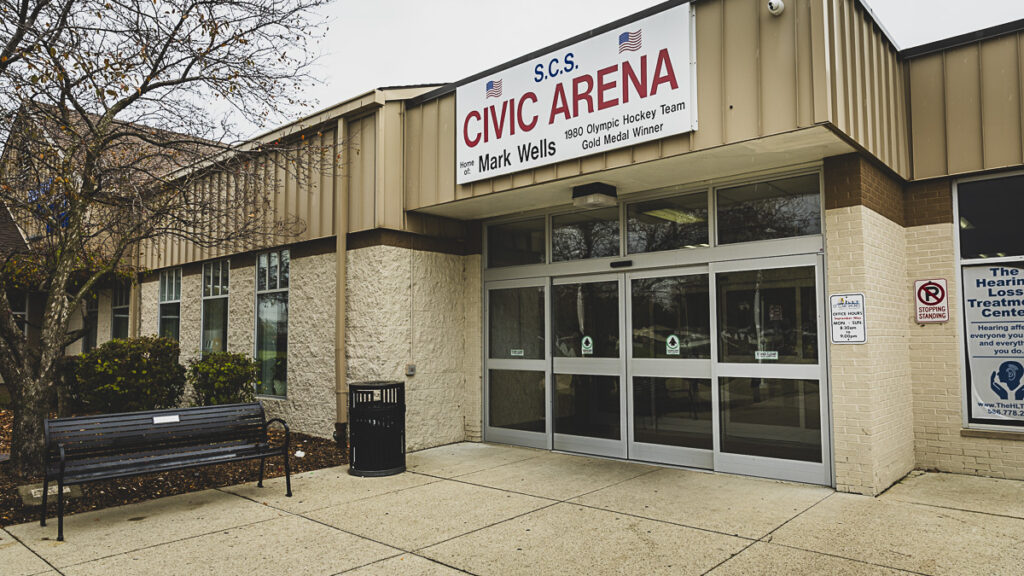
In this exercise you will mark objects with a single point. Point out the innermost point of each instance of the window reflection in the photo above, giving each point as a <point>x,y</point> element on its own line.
<point>766,210</point>
<point>771,417</point>
<point>515,243</point>
<point>987,228</point>
<point>671,317</point>
<point>516,323</point>
<point>672,411</point>
<point>586,320</point>
<point>581,235</point>
<point>587,406</point>
<point>768,316</point>
<point>667,224</point>
<point>516,400</point>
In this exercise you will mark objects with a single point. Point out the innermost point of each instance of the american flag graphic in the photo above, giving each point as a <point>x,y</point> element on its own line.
<point>630,41</point>
<point>493,89</point>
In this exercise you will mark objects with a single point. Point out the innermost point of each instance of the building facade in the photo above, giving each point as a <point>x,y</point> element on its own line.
<point>705,235</point>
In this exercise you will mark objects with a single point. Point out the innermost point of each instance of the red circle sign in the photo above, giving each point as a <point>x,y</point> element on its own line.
<point>931,294</point>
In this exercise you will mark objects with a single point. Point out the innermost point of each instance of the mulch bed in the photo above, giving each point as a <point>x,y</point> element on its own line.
<point>320,453</point>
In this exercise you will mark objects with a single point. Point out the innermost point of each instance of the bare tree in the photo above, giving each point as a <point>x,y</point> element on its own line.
<point>110,140</point>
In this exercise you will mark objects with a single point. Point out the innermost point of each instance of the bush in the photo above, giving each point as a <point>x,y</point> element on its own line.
<point>127,376</point>
<point>223,378</point>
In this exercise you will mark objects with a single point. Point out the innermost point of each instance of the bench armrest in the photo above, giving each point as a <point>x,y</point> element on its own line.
<point>287,431</point>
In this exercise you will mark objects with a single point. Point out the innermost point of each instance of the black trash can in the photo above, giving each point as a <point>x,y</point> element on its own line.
<point>376,417</point>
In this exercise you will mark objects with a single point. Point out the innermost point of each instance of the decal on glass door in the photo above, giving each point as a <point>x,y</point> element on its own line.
<point>672,345</point>
<point>587,344</point>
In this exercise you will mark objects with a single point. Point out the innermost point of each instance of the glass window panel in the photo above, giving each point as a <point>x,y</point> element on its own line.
<point>771,417</point>
<point>587,406</point>
<point>177,285</point>
<point>667,224</point>
<point>767,210</point>
<point>207,278</point>
<point>768,316</point>
<point>272,343</point>
<point>516,400</point>
<point>515,243</point>
<point>671,317</point>
<point>672,411</point>
<point>119,323</point>
<point>285,269</point>
<point>216,279</point>
<point>215,325</point>
<point>261,272</point>
<point>224,271</point>
<point>581,235</point>
<point>588,312</point>
<point>163,286</point>
<point>272,272</point>
<point>169,320</point>
<point>516,318</point>
<point>987,228</point>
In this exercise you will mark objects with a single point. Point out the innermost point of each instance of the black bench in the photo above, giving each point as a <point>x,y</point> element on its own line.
<point>90,448</point>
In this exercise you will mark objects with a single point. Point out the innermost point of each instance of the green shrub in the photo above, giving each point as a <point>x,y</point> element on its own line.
<point>223,378</point>
<point>127,376</point>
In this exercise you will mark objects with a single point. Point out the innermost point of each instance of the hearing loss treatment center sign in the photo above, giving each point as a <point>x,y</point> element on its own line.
<point>994,322</point>
<point>632,84</point>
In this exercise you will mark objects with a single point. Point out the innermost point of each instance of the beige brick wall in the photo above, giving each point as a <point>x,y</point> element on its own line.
<point>936,357</point>
<point>871,393</point>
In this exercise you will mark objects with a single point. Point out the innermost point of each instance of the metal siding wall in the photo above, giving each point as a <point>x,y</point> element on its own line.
<point>867,84</point>
<point>965,104</point>
<point>756,76</point>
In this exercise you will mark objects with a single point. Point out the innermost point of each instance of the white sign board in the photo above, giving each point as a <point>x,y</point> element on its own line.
<point>632,84</point>
<point>994,318</point>
<point>847,319</point>
<point>930,301</point>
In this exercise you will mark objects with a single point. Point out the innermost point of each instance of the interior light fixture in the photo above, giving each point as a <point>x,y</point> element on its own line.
<point>594,195</point>
<point>675,215</point>
<point>965,224</point>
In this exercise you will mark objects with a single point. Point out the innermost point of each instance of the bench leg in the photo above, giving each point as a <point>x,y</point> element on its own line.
<point>260,483</point>
<point>287,474</point>
<point>46,488</point>
<point>60,509</point>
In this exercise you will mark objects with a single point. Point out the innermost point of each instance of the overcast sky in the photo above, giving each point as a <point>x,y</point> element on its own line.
<point>392,42</point>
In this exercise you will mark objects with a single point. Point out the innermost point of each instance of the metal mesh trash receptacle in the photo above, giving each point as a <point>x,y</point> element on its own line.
<point>376,416</point>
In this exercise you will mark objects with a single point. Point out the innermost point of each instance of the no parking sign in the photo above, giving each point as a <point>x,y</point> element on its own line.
<point>931,301</point>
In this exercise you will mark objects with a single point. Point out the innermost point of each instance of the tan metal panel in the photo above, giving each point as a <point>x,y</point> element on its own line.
<point>804,65</point>
<point>445,143</point>
<point>328,168</point>
<point>741,39</point>
<point>413,157</point>
<point>389,192</point>
<point>1000,102</point>
<point>362,148</point>
<point>778,71</point>
<point>821,64</point>
<point>431,191</point>
<point>963,109</point>
<point>928,116</point>
<point>710,38</point>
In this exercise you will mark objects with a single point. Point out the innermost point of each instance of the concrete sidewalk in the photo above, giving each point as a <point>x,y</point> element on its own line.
<point>496,510</point>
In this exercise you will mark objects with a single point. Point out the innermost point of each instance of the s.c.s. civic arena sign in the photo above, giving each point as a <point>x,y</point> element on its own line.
<point>632,84</point>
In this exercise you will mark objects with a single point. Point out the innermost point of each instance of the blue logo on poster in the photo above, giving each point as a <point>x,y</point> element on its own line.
<point>1007,381</point>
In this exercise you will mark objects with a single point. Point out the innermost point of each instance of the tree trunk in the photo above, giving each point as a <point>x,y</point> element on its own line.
<point>30,400</point>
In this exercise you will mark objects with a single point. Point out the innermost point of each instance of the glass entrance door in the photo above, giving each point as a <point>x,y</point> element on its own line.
<point>588,389</point>
<point>670,400</point>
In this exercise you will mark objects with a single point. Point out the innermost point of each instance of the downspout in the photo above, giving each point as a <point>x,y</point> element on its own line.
<point>341,231</point>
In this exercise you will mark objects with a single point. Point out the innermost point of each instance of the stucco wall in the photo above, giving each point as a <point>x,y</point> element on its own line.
<point>423,308</point>
<point>871,391</point>
<point>149,307</point>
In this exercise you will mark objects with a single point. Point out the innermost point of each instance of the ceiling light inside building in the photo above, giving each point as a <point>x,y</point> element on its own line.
<point>674,215</point>
<point>965,224</point>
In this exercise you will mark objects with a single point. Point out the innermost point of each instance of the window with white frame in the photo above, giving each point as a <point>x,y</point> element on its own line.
<point>119,310</point>
<point>272,275</point>
<point>215,306</point>
<point>170,303</point>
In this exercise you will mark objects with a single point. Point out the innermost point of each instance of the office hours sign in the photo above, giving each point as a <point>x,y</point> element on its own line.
<point>994,326</point>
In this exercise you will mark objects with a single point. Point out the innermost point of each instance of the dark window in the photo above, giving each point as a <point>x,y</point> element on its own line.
<point>119,311</point>
<point>516,323</point>
<point>766,210</point>
<point>170,303</point>
<point>667,224</point>
<point>515,243</point>
<point>989,222</point>
<point>215,306</point>
<point>581,235</point>
<point>92,320</point>
<point>272,273</point>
